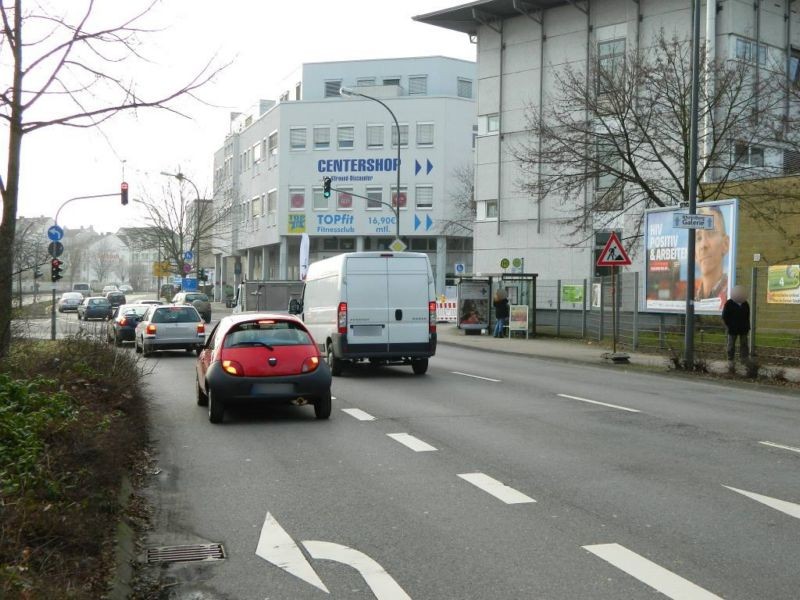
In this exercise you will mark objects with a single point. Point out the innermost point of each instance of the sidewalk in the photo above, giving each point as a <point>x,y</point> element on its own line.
<point>577,351</point>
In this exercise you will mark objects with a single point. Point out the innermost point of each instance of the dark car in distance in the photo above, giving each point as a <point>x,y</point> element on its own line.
<point>116,299</point>
<point>69,301</point>
<point>122,325</point>
<point>94,307</point>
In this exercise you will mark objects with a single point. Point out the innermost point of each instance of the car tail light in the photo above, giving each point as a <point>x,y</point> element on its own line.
<point>310,364</point>
<point>201,328</point>
<point>150,330</point>
<point>123,321</point>
<point>342,317</point>
<point>231,367</point>
<point>432,317</point>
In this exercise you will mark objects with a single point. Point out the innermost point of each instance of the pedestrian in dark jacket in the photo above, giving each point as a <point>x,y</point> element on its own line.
<point>736,316</point>
<point>501,312</point>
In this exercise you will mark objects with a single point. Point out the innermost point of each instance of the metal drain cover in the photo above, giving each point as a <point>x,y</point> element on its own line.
<point>187,553</point>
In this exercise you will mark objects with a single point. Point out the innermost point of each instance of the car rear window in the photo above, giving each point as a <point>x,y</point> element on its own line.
<point>98,301</point>
<point>134,310</point>
<point>268,332</point>
<point>193,297</point>
<point>176,314</point>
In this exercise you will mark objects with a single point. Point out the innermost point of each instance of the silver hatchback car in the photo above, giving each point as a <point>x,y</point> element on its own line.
<point>170,327</point>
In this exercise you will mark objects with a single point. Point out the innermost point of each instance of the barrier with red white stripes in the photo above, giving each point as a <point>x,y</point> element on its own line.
<point>447,311</point>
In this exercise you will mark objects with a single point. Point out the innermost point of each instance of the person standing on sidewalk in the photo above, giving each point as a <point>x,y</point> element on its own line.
<point>736,316</point>
<point>501,312</point>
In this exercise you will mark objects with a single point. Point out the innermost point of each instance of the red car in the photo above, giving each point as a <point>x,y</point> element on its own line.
<point>261,357</point>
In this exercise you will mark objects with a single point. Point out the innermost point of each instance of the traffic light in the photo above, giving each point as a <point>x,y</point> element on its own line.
<point>55,269</point>
<point>326,187</point>
<point>201,275</point>
<point>123,193</point>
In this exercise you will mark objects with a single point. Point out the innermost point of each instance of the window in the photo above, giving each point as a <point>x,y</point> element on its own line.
<point>344,199</point>
<point>474,135</point>
<point>418,85</point>
<point>375,195</point>
<point>403,136</point>
<point>255,207</point>
<point>330,244</point>
<point>794,67</point>
<point>749,156</point>
<point>258,152</point>
<point>424,134</point>
<point>332,88</point>
<point>284,96</point>
<point>391,81</point>
<point>791,162</point>
<point>297,91</point>
<point>423,196</point>
<point>345,137</point>
<point>403,197</point>
<point>272,147</point>
<point>297,138</point>
<point>492,123</point>
<point>319,202</point>
<point>322,138</point>
<point>374,136</point>
<point>610,63</point>
<point>491,209</point>
<point>606,156</point>
<point>365,81</point>
<point>464,88</point>
<point>745,50</point>
<point>297,199</point>
<point>272,206</point>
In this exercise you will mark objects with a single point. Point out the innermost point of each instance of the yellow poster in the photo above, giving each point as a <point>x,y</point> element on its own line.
<point>297,224</point>
<point>783,284</point>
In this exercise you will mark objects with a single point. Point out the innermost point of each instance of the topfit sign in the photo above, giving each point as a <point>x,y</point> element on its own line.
<point>331,166</point>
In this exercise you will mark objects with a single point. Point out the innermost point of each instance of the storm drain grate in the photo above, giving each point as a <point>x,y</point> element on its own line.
<point>187,553</point>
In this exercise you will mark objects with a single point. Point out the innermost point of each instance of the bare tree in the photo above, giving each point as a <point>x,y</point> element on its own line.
<point>122,270</point>
<point>102,260</point>
<point>619,134</point>
<point>461,218</point>
<point>138,276</point>
<point>68,68</point>
<point>29,252</point>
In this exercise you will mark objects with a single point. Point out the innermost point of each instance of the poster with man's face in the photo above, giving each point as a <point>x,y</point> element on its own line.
<point>667,260</point>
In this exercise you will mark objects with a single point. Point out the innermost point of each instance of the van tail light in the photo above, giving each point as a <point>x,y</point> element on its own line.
<point>231,367</point>
<point>310,364</point>
<point>431,317</point>
<point>201,329</point>
<point>342,317</point>
<point>150,330</point>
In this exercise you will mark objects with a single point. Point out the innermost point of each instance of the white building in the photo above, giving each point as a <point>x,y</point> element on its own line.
<point>522,44</point>
<point>273,162</point>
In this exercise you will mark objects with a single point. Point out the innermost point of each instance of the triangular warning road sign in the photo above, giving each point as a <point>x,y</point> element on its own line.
<point>613,255</point>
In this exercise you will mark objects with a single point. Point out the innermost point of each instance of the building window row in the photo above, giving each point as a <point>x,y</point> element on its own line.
<point>346,134</point>
<point>375,198</point>
<point>264,150</point>
<point>417,85</point>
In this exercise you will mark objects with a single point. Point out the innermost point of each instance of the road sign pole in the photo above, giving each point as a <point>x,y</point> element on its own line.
<point>53,315</point>
<point>614,307</point>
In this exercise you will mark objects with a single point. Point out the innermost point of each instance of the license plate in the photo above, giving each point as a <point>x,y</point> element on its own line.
<point>272,388</point>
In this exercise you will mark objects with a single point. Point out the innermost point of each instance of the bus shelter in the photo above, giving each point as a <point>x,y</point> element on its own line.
<point>476,294</point>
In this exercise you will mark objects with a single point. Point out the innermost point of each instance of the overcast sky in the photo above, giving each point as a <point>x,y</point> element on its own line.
<point>264,39</point>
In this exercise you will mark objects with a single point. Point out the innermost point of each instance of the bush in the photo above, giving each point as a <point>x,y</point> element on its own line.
<point>678,363</point>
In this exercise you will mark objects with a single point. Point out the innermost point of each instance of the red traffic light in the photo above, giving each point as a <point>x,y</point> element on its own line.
<point>55,263</point>
<point>124,187</point>
<point>123,191</point>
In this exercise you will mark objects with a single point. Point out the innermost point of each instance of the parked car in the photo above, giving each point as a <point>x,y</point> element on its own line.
<point>170,327</point>
<point>116,299</point>
<point>262,357</point>
<point>94,307</point>
<point>109,288</point>
<point>122,325</point>
<point>148,302</point>
<point>84,288</point>
<point>167,292</point>
<point>126,289</point>
<point>197,299</point>
<point>69,301</point>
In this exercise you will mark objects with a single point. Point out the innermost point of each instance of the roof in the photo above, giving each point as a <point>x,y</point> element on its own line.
<point>465,18</point>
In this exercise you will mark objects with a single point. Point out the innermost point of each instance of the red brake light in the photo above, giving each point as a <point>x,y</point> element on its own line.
<point>310,364</point>
<point>123,321</point>
<point>150,330</point>
<point>431,317</point>
<point>342,317</point>
<point>201,328</point>
<point>231,367</point>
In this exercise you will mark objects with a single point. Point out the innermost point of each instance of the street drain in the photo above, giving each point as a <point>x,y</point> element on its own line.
<point>187,553</point>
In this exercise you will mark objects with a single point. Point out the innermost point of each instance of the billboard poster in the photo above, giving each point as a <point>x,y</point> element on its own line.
<point>572,293</point>
<point>666,259</point>
<point>297,224</point>
<point>783,284</point>
<point>518,318</point>
<point>473,304</point>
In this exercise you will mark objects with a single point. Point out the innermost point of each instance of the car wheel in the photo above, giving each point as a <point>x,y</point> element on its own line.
<point>117,341</point>
<point>322,406</point>
<point>145,351</point>
<point>216,408</point>
<point>198,350</point>
<point>419,366</point>
<point>189,349</point>
<point>202,399</point>
<point>136,346</point>
<point>334,363</point>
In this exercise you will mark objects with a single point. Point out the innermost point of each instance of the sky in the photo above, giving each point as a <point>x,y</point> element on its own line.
<point>261,41</point>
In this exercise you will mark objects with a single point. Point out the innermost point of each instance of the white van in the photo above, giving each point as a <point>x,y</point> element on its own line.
<point>376,306</point>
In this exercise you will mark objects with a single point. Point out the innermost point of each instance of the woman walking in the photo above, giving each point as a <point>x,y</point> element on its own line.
<point>501,312</point>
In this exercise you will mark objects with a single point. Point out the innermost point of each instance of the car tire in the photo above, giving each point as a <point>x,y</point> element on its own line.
<point>136,346</point>
<point>202,398</point>
<point>334,363</point>
<point>189,350</point>
<point>117,341</point>
<point>216,408</point>
<point>322,406</point>
<point>419,366</point>
<point>145,351</point>
<point>198,350</point>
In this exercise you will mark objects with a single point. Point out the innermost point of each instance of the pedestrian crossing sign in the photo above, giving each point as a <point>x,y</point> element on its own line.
<point>613,255</point>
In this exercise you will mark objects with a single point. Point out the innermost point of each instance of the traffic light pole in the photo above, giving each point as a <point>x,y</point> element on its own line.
<point>53,314</point>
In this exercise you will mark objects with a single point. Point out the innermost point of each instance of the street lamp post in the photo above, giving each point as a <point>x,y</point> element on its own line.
<point>181,177</point>
<point>349,93</point>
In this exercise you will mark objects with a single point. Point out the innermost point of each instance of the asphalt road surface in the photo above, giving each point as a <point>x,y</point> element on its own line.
<point>493,476</point>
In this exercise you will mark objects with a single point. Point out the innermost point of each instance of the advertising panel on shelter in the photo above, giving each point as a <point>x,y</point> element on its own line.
<point>783,284</point>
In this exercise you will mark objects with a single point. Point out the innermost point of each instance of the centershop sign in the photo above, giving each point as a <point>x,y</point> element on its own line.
<point>356,169</point>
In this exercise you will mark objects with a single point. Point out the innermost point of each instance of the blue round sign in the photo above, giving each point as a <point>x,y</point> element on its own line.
<point>188,255</point>
<point>55,233</point>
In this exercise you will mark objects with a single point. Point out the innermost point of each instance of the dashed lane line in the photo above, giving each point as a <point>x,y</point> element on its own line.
<point>358,414</point>
<point>476,376</point>
<point>789,508</point>
<point>496,488</point>
<point>606,404</point>
<point>409,441</point>
<point>781,446</point>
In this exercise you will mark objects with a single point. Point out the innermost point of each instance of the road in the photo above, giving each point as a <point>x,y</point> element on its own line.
<point>517,478</point>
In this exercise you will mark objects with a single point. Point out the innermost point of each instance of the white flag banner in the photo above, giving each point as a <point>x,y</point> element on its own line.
<point>304,249</point>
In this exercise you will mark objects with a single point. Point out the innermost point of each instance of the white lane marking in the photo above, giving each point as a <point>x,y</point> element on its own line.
<point>378,580</point>
<point>276,547</point>
<point>496,488</point>
<point>358,414</point>
<point>648,572</point>
<point>781,446</point>
<point>416,444</point>
<point>333,397</point>
<point>790,508</point>
<point>579,399</point>
<point>475,376</point>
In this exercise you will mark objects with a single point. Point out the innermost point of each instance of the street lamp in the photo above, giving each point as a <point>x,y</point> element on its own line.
<point>181,177</point>
<point>349,93</point>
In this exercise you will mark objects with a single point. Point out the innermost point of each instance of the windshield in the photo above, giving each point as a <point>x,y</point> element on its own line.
<point>268,333</point>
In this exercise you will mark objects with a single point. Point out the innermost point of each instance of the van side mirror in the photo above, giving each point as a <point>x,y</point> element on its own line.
<point>295,306</point>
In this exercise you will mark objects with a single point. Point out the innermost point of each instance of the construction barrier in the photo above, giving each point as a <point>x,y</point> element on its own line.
<point>447,311</point>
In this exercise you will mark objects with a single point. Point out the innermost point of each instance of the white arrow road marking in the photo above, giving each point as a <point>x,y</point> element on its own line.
<point>378,580</point>
<point>579,399</point>
<point>781,446</point>
<point>416,444</point>
<point>791,509</point>
<point>358,414</point>
<point>496,488</point>
<point>476,376</point>
<point>649,573</point>
<point>276,547</point>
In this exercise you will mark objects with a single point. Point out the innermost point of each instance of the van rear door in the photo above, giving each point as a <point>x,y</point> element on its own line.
<point>408,303</point>
<point>367,298</point>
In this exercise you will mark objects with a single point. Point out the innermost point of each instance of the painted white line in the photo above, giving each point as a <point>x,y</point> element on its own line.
<point>579,399</point>
<point>781,446</point>
<point>276,547</point>
<point>416,444</point>
<point>333,397</point>
<point>378,580</point>
<point>496,488</point>
<point>790,508</point>
<point>475,376</point>
<point>648,572</point>
<point>358,414</point>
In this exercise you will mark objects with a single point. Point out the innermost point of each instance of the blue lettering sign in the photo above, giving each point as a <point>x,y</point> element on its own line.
<point>357,165</point>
